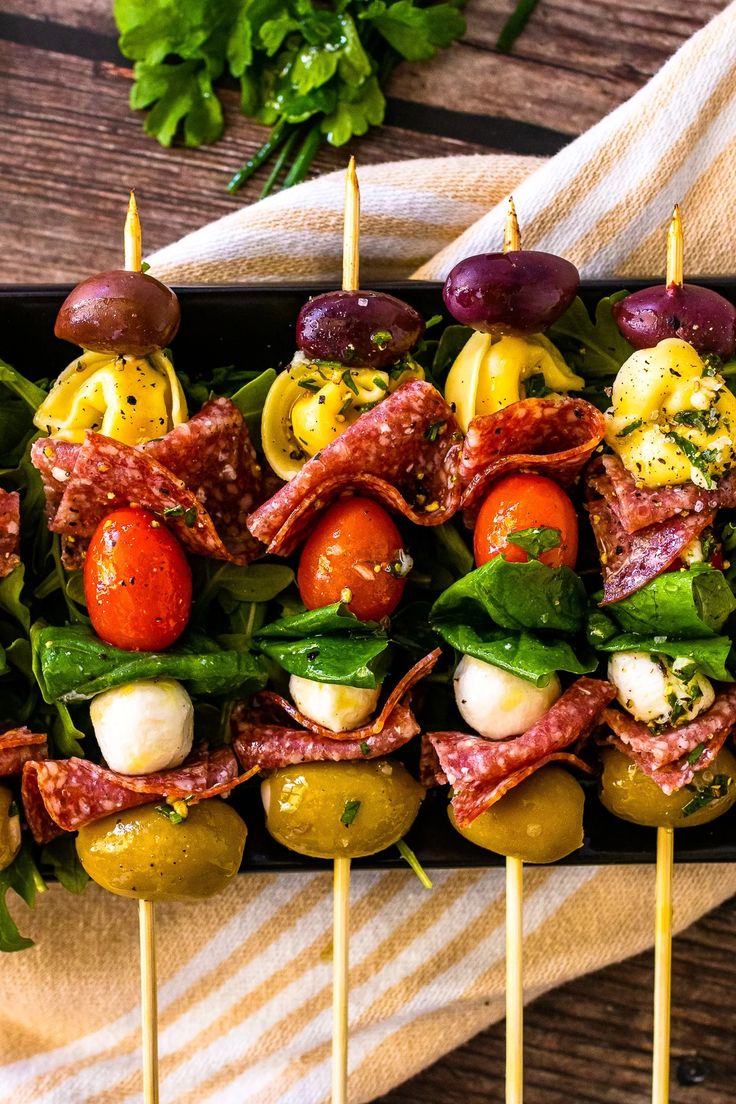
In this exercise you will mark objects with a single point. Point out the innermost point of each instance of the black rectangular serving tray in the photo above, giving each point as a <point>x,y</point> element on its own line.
<point>253,327</point>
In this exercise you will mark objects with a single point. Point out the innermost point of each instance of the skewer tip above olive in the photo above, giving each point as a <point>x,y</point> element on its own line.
<point>361,328</point>
<point>695,314</point>
<point>120,312</point>
<point>523,291</point>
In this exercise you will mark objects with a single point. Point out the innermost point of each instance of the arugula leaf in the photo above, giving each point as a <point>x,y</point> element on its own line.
<point>683,604</point>
<point>249,400</point>
<point>591,348</point>
<point>336,618</point>
<point>61,856</point>
<point>453,339</point>
<point>11,590</point>
<point>24,878</point>
<point>71,664</point>
<point>31,394</point>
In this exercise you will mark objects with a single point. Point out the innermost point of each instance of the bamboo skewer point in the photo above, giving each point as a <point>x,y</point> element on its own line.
<point>511,232</point>
<point>675,250</point>
<point>146,914</point>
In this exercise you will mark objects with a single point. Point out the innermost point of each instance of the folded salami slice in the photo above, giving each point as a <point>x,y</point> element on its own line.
<point>19,746</point>
<point>202,478</point>
<point>260,743</point>
<point>552,436</point>
<point>404,453</point>
<point>630,560</point>
<point>473,765</point>
<point>62,795</point>
<point>476,797</point>
<point>411,678</point>
<point>665,757</point>
<point>9,531</point>
<point>639,507</point>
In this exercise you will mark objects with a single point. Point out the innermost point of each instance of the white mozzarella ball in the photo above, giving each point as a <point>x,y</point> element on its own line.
<point>337,707</point>
<point>497,704</point>
<point>656,690</point>
<point>144,726</point>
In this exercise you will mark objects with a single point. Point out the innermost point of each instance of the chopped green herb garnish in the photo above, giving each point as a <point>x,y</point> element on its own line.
<point>408,856</point>
<point>699,460</point>
<point>188,514</point>
<point>13,809</point>
<point>347,379</point>
<point>381,338</point>
<point>145,266</point>
<point>350,812</point>
<point>380,383</point>
<point>695,754</point>
<point>170,813</point>
<point>705,420</point>
<point>636,424</point>
<point>433,430</point>
<point>365,748</point>
<point>706,794</point>
<point>346,405</point>
<point>433,321</point>
<point>309,384</point>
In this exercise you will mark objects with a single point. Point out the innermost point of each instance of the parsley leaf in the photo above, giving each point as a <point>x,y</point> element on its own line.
<point>310,72</point>
<point>350,812</point>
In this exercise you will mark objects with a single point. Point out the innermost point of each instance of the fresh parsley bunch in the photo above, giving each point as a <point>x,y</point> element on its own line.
<point>312,72</point>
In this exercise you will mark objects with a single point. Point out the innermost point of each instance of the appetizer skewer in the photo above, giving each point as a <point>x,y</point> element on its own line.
<point>672,428</point>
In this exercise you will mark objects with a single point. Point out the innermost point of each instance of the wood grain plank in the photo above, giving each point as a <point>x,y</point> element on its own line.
<point>588,1042</point>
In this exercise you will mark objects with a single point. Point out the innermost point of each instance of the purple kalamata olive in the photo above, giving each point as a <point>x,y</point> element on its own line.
<point>696,314</point>
<point>522,290</point>
<point>128,313</point>
<point>367,328</point>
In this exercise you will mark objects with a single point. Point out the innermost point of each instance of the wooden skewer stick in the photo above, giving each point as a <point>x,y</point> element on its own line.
<point>663,967</point>
<point>146,915</point>
<point>514,876</point>
<point>341,873</point>
<point>149,1001</point>
<point>665,836</point>
<point>675,250</point>
<point>340,966</point>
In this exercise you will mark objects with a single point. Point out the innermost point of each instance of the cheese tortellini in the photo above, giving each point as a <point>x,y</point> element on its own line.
<point>312,402</point>
<point>132,399</point>
<point>673,418</point>
<point>489,373</point>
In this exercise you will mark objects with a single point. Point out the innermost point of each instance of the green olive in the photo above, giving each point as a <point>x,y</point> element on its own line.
<point>340,810</point>
<point>628,793</point>
<point>9,828</point>
<point>142,853</point>
<point>539,821</point>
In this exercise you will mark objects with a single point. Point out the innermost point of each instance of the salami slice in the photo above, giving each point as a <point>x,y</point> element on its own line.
<point>630,560</point>
<point>260,743</point>
<point>430,771</point>
<point>553,436</point>
<point>665,757</point>
<point>477,797</point>
<point>9,531</point>
<point>19,746</point>
<point>638,507</point>
<point>372,728</point>
<point>202,478</point>
<point>65,794</point>
<point>472,761</point>
<point>404,453</point>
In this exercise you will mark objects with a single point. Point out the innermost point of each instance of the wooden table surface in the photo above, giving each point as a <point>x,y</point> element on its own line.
<point>71,147</point>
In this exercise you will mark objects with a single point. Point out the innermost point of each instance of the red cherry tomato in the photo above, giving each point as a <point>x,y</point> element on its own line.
<point>525,501</point>
<point>137,582</point>
<point>353,548</point>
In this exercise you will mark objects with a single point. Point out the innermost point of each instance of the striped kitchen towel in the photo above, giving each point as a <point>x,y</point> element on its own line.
<point>245,979</point>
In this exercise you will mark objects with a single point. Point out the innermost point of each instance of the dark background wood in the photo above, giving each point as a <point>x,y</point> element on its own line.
<point>70,149</point>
